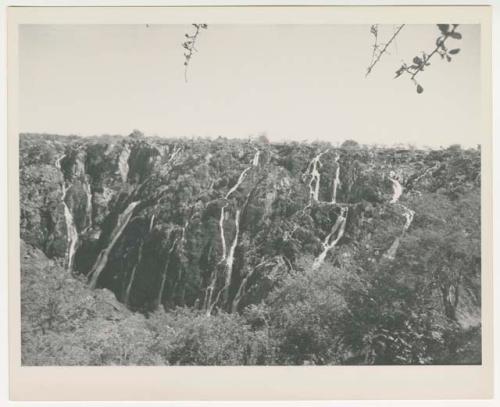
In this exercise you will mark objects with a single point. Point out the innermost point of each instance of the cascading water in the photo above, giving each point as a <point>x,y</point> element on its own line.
<point>314,167</point>
<point>255,161</point>
<point>132,275</point>
<point>397,191</point>
<point>338,228</point>
<point>228,258</point>
<point>409,214</point>
<point>123,167</point>
<point>328,244</point>
<point>71,230</point>
<point>241,178</point>
<point>102,259</point>
<point>164,273</point>
<point>336,181</point>
<point>88,214</point>
<point>221,228</point>
<point>138,261</point>
<point>152,222</point>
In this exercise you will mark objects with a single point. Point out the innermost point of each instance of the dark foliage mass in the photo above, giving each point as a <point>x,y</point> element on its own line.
<point>145,251</point>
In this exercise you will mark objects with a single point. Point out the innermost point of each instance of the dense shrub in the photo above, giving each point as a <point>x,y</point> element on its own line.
<point>304,314</point>
<point>191,337</point>
<point>65,323</point>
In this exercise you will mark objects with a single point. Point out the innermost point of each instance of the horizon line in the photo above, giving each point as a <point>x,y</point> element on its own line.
<point>254,138</point>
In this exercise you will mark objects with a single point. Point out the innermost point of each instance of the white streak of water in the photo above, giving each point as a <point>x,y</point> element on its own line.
<point>71,231</point>
<point>336,181</point>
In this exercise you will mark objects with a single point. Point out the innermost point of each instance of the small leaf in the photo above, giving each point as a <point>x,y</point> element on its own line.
<point>420,89</point>
<point>417,61</point>
<point>448,58</point>
<point>456,35</point>
<point>444,28</point>
<point>454,51</point>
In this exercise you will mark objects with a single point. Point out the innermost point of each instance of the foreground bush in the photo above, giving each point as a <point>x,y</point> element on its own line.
<point>190,337</point>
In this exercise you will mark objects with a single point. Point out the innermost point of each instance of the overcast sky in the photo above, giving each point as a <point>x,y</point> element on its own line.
<point>293,82</point>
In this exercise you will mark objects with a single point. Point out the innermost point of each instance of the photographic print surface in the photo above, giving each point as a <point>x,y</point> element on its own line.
<point>214,194</point>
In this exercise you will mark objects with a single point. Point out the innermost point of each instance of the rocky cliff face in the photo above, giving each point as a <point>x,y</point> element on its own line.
<point>217,224</point>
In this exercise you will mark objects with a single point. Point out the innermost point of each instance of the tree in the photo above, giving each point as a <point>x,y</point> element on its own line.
<point>262,138</point>
<point>136,134</point>
<point>350,145</point>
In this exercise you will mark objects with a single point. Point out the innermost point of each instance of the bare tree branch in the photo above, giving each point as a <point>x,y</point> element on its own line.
<point>379,49</point>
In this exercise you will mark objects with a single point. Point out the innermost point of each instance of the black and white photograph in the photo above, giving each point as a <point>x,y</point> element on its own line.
<point>250,194</point>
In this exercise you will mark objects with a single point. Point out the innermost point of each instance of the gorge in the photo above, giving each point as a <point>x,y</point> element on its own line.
<point>241,229</point>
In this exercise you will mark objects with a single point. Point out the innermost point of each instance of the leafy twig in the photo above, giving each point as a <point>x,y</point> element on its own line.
<point>189,46</point>
<point>419,63</point>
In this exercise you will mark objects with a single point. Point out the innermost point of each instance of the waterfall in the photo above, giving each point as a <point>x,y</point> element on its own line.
<point>241,178</point>
<point>88,209</point>
<point>134,269</point>
<point>241,289</point>
<point>230,256</point>
<point>391,252</point>
<point>314,167</point>
<point>164,274</point>
<point>132,275</point>
<point>71,231</point>
<point>328,245</point>
<point>255,161</point>
<point>174,154</point>
<point>152,222</point>
<point>102,259</point>
<point>123,166</point>
<point>408,214</point>
<point>397,189</point>
<point>227,258</point>
<point>221,228</point>
<point>336,181</point>
<point>229,261</point>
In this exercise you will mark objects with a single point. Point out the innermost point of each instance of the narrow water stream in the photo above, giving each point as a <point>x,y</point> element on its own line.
<point>102,259</point>
<point>397,191</point>
<point>71,231</point>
